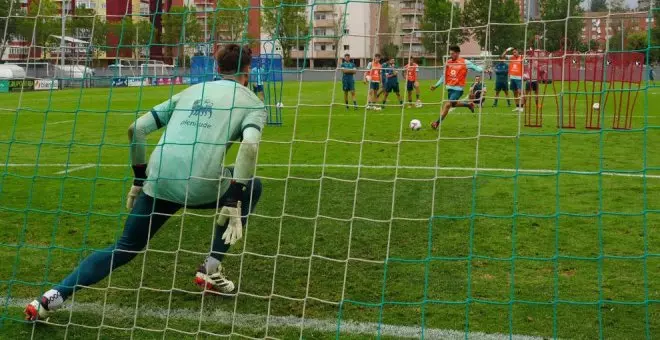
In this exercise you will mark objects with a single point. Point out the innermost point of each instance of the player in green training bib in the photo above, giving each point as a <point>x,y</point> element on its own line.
<point>186,169</point>
<point>348,79</point>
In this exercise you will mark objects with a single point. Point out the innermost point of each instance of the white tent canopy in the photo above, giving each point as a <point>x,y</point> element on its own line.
<point>11,71</point>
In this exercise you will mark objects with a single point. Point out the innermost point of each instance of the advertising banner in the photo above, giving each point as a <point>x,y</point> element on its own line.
<point>21,85</point>
<point>119,82</point>
<point>46,84</point>
<point>136,81</point>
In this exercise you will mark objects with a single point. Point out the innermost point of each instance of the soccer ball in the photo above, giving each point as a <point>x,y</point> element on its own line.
<point>418,104</point>
<point>596,106</point>
<point>279,105</point>
<point>415,124</point>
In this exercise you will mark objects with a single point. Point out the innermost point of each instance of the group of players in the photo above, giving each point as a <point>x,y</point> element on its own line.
<point>382,77</point>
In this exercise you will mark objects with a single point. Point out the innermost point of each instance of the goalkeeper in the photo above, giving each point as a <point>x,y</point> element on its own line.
<point>185,170</point>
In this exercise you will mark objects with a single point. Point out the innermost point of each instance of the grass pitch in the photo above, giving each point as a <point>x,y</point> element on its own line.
<point>486,226</point>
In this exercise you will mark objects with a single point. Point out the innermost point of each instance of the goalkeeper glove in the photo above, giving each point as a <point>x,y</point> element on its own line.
<point>230,214</point>
<point>140,174</point>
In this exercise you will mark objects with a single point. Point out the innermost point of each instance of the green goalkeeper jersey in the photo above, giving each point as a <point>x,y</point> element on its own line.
<point>186,166</point>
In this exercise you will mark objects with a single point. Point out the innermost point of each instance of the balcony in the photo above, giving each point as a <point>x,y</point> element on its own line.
<point>409,39</point>
<point>412,11</point>
<point>325,39</point>
<point>415,54</point>
<point>410,25</point>
<point>314,54</point>
<point>324,8</point>
<point>324,54</point>
<point>324,23</point>
<point>300,54</point>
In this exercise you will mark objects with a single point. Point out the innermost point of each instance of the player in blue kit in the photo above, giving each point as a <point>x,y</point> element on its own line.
<point>186,169</point>
<point>258,74</point>
<point>391,81</point>
<point>502,82</point>
<point>348,79</point>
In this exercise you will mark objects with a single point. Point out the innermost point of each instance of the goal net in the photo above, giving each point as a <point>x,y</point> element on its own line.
<point>533,217</point>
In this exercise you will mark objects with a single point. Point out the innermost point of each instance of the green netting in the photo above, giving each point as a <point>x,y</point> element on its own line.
<point>487,229</point>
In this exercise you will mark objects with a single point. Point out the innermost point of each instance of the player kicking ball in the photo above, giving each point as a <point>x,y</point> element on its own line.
<point>185,169</point>
<point>348,79</point>
<point>391,81</point>
<point>456,70</point>
<point>411,82</point>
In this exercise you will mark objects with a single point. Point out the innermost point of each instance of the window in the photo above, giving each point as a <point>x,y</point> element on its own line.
<point>319,47</point>
<point>301,48</point>
<point>319,31</point>
<point>319,16</point>
<point>333,47</point>
<point>323,47</point>
<point>346,31</point>
<point>346,47</point>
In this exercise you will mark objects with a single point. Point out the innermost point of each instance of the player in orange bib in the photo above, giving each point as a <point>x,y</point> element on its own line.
<point>456,70</point>
<point>412,83</point>
<point>372,77</point>
<point>515,74</point>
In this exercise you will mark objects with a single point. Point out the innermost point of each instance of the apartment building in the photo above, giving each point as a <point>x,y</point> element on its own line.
<point>337,30</point>
<point>600,27</point>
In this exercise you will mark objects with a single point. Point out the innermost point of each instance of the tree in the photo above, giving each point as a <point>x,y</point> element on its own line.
<point>7,8</point>
<point>390,50</point>
<point>616,42</point>
<point>284,20</point>
<point>618,6</point>
<point>558,33</point>
<point>124,30</point>
<point>180,27</point>
<point>439,16</point>
<point>598,6</point>
<point>495,38</point>
<point>636,41</point>
<point>82,24</point>
<point>143,38</point>
<point>230,20</point>
<point>40,22</point>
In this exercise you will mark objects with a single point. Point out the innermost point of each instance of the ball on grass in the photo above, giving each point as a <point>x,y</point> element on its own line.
<point>596,106</point>
<point>415,124</point>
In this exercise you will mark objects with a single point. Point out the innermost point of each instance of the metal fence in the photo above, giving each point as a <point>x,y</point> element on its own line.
<point>102,77</point>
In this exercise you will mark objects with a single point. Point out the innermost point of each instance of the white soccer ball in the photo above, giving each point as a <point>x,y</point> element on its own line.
<point>596,106</point>
<point>415,124</point>
<point>418,105</point>
<point>279,105</point>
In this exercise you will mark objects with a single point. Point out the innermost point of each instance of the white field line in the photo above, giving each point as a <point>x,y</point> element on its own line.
<point>258,322</point>
<point>61,122</point>
<point>70,170</point>
<point>81,166</point>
